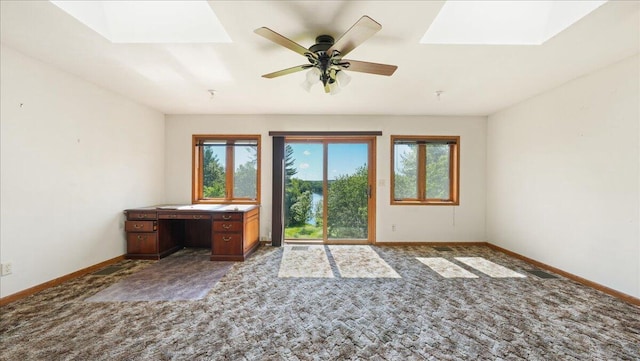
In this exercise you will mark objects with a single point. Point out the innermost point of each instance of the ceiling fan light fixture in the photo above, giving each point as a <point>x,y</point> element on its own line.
<point>306,85</point>
<point>313,75</point>
<point>334,88</point>
<point>343,78</point>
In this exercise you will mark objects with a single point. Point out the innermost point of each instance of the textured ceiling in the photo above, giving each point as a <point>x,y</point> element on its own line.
<point>175,78</point>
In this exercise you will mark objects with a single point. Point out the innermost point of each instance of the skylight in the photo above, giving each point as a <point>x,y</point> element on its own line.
<point>505,22</point>
<point>149,21</point>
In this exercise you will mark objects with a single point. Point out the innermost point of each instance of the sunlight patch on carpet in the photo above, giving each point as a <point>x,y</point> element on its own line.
<point>310,262</point>
<point>361,262</point>
<point>175,278</point>
<point>489,268</point>
<point>445,268</point>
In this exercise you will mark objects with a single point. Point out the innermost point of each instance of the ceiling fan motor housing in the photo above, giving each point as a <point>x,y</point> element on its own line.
<point>323,43</point>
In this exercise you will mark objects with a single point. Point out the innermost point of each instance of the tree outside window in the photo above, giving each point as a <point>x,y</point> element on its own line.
<point>226,169</point>
<point>425,170</point>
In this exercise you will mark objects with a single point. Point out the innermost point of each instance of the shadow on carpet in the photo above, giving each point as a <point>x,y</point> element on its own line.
<point>184,275</point>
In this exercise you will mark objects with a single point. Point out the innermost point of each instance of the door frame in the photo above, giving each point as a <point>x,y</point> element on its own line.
<point>325,140</point>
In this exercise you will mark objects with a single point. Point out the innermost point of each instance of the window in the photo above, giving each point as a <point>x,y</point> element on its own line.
<point>425,170</point>
<point>226,169</point>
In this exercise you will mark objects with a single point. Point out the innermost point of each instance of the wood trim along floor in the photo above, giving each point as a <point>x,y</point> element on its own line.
<point>430,244</point>
<point>623,296</point>
<point>611,292</point>
<point>54,282</point>
<point>604,289</point>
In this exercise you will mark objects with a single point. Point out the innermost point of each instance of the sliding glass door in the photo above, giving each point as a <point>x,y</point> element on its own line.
<point>329,195</point>
<point>348,191</point>
<point>303,191</point>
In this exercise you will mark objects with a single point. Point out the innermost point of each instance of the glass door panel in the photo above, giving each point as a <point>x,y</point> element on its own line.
<point>348,191</point>
<point>303,191</point>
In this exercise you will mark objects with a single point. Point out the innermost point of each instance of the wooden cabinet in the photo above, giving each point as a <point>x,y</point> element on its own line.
<point>227,226</point>
<point>142,236</point>
<point>142,244</point>
<point>141,214</point>
<point>235,235</point>
<point>140,226</point>
<point>226,245</point>
<point>231,233</point>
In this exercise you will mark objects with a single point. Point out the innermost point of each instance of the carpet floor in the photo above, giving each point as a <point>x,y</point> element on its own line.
<point>187,275</point>
<point>264,310</point>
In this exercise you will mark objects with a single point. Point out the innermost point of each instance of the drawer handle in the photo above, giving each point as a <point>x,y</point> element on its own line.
<point>226,217</point>
<point>197,216</point>
<point>138,226</point>
<point>142,216</point>
<point>173,215</point>
<point>226,239</point>
<point>141,238</point>
<point>226,226</point>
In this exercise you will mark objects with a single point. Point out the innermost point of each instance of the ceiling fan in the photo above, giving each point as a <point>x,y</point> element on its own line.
<point>326,62</point>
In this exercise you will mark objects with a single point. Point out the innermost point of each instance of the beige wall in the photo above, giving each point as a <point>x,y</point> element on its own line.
<point>73,157</point>
<point>413,223</point>
<point>563,177</point>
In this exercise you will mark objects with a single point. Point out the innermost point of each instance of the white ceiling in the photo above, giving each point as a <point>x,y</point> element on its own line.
<point>174,78</point>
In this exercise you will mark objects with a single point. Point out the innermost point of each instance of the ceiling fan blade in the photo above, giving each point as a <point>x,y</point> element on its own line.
<point>281,40</point>
<point>372,68</point>
<point>282,72</point>
<point>362,30</point>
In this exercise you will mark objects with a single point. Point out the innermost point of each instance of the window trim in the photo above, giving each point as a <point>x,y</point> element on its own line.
<point>454,170</point>
<point>196,169</point>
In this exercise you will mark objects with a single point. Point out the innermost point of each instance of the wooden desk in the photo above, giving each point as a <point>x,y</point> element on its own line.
<point>231,231</point>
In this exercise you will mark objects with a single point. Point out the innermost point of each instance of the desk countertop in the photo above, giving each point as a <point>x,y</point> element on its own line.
<point>199,207</point>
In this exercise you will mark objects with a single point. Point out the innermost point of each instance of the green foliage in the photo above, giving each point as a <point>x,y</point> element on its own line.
<point>317,214</point>
<point>437,171</point>
<point>214,174</point>
<point>296,204</point>
<point>406,176</point>
<point>315,186</point>
<point>214,182</point>
<point>289,162</point>
<point>305,232</point>
<point>290,194</point>
<point>348,205</point>
<point>300,211</point>
<point>245,176</point>
<point>293,191</point>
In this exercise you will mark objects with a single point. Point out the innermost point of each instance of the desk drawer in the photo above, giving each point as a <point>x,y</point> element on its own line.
<point>222,226</point>
<point>134,215</point>
<point>183,216</point>
<point>228,216</point>
<point>142,243</point>
<point>227,243</point>
<point>140,226</point>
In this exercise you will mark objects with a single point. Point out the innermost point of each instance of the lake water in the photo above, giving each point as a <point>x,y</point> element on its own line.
<point>315,198</point>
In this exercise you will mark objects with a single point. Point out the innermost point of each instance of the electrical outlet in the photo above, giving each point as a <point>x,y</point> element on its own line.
<point>393,228</point>
<point>7,268</point>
